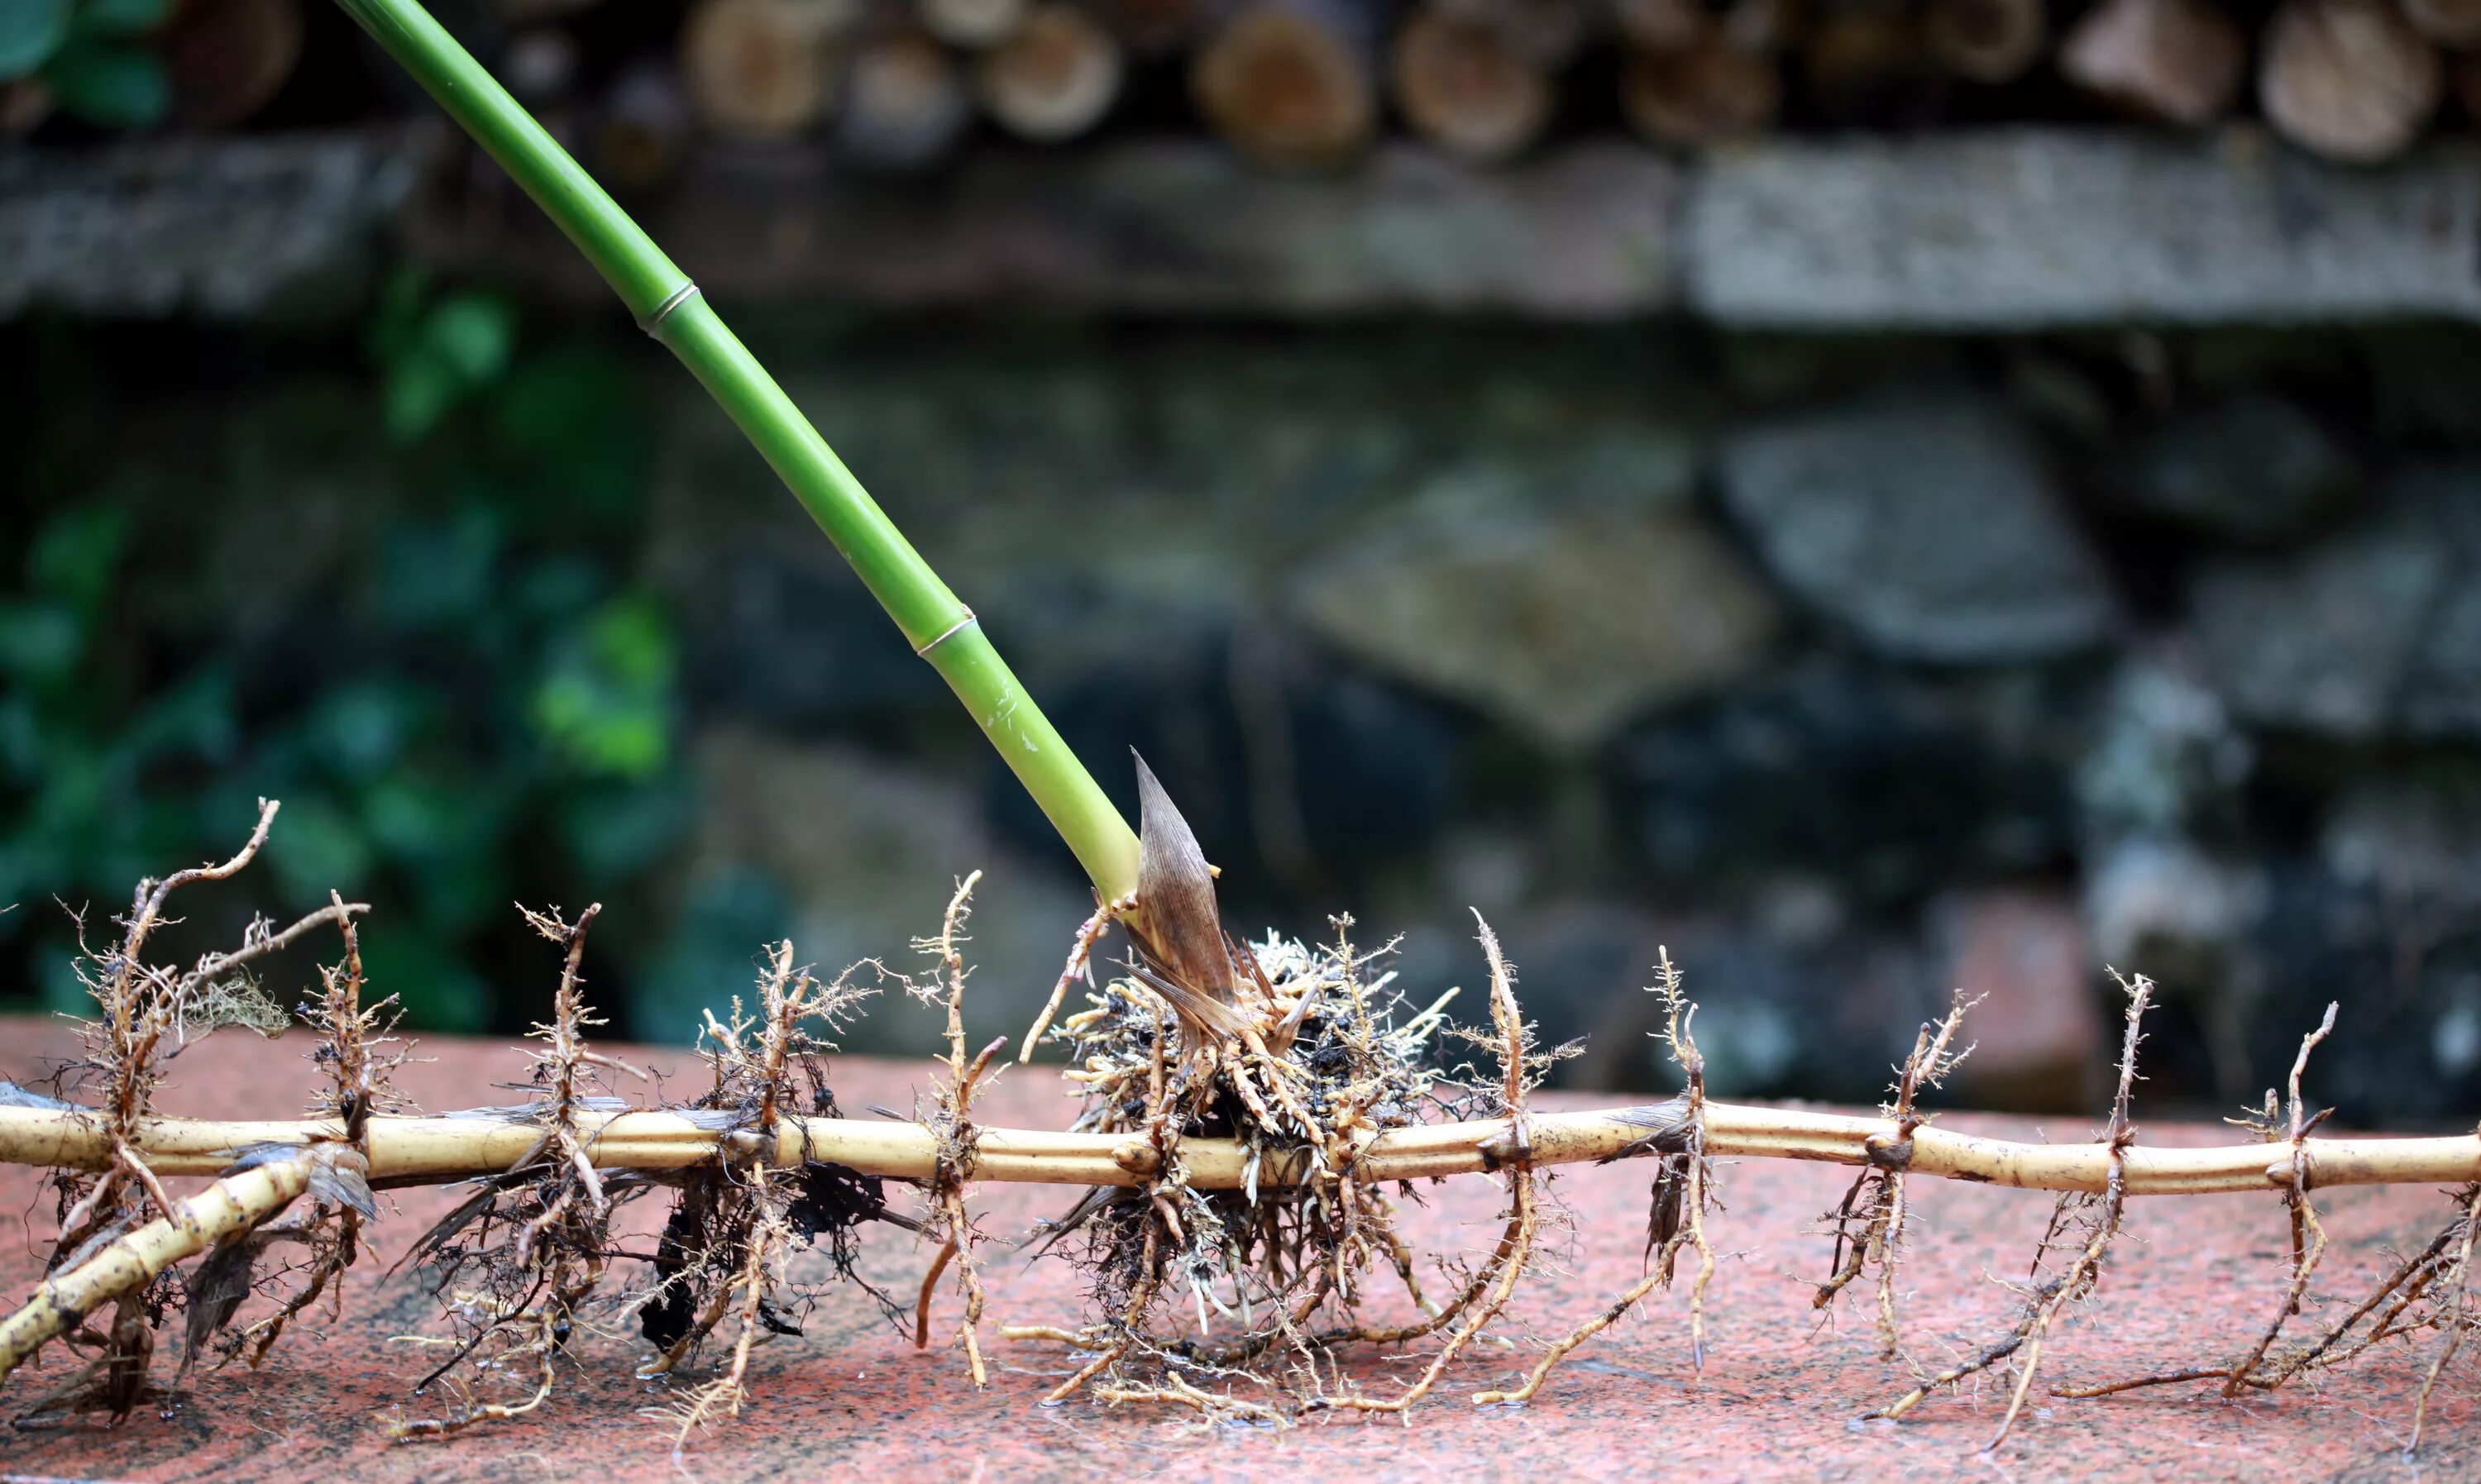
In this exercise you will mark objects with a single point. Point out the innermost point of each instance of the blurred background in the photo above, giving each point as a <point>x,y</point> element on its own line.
<point>1878,496</point>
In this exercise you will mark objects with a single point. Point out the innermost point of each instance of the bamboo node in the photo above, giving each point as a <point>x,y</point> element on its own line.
<point>923,651</point>
<point>653,322</point>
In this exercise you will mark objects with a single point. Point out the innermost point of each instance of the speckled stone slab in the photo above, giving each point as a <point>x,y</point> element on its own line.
<point>1781,1395</point>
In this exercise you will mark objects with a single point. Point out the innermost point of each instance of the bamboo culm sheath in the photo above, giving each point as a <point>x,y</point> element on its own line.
<point>413,1151</point>
<point>667,305</point>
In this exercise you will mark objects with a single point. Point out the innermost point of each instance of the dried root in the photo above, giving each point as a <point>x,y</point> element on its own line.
<point>1243,1109</point>
<point>516,1264</point>
<point>722,1262</point>
<point>357,1051</point>
<point>944,1220</point>
<point>1682,1197</point>
<point>1869,1224</point>
<point>2453,1311</point>
<point>1487,1291</point>
<point>1279,1273</point>
<point>1080,966</point>
<point>2082,1225</point>
<point>2430,1290</point>
<point>120,1231</point>
<point>119,1274</point>
<point>145,1013</point>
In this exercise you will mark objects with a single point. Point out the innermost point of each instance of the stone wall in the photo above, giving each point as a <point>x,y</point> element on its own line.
<point>1716,600</point>
<point>1852,671</point>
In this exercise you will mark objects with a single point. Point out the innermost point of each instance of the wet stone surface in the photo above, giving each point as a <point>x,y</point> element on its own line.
<point>1781,1395</point>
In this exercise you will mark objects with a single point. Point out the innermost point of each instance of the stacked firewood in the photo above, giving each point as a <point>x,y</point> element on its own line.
<point>898,83</point>
<point>191,64</point>
<point>1310,83</point>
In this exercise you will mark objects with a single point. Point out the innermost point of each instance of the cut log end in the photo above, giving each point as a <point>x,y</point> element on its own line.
<point>904,104</point>
<point>974,24</point>
<point>2447,22</point>
<point>1154,28</point>
<point>1463,89</point>
<point>531,12</point>
<point>643,130</point>
<point>1285,87</point>
<point>228,59</point>
<point>1985,41</point>
<point>1660,25</point>
<point>1054,79</point>
<point>1544,33</point>
<point>2173,60</point>
<point>757,69</point>
<point>1704,94</point>
<point>1860,58</point>
<point>2466,78</point>
<point>2349,79</point>
<point>25,102</point>
<point>539,66</point>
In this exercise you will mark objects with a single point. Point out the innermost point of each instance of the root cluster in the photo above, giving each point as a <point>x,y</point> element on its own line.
<point>108,1282</point>
<point>1236,1301</point>
<point>722,1268</point>
<point>1266,1109</point>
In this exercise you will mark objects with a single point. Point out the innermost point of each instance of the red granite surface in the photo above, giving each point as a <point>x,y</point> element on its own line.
<point>1780,1398</point>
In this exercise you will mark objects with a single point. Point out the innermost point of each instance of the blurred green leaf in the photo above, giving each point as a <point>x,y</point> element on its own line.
<point>435,355</point>
<point>29,32</point>
<point>604,703</point>
<point>472,333</point>
<point>556,588</point>
<point>709,958</point>
<point>453,902</point>
<point>421,389</point>
<point>73,556</point>
<point>438,572</point>
<point>118,17</point>
<point>418,822</point>
<point>598,731</point>
<point>319,849</point>
<point>194,717</point>
<point>89,831</point>
<point>360,728</point>
<point>40,640</point>
<point>141,835</point>
<point>436,989</point>
<point>21,879</point>
<point>632,639</point>
<point>22,736</point>
<point>55,961</point>
<point>115,85</point>
<point>53,847</point>
<point>615,831</point>
<point>496,713</point>
<point>575,421</point>
<point>396,317</point>
<point>448,837</point>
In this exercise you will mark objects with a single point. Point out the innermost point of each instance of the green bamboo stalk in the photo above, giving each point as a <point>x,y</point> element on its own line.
<point>669,306</point>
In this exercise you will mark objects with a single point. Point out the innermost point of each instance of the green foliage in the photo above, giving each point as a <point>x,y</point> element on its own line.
<point>468,703</point>
<point>90,52</point>
<point>436,353</point>
<point>725,910</point>
<point>106,83</point>
<point>29,32</point>
<point>123,17</point>
<point>604,698</point>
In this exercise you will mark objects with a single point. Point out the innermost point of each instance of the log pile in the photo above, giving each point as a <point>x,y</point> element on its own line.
<point>896,85</point>
<point>1309,84</point>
